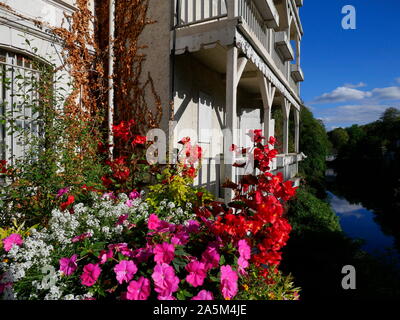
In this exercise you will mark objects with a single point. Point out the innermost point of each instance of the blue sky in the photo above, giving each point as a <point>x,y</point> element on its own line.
<point>351,76</point>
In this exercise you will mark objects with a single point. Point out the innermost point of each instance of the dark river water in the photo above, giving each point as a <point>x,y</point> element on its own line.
<point>358,222</point>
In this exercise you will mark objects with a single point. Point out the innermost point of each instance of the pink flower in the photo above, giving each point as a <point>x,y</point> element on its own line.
<point>122,219</point>
<point>142,254</point>
<point>243,264</point>
<point>105,255</point>
<point>158,225</point>
<point>229,278</point>
<point>138,290</point>
<point>91,273</point>
<point>210,257</point>
<point>81,237</point>
<point>153,223</point>
<point>244,249</point>
<point>125,270</point>
<point>68,265</point>
<point>180,238</point>
<point>193,226</point>
<point>165,280</point>
<point>166,297</point>
<point>12,239</point>
<point>197,273</point>
<point>121,247</point>
<point>63,191</point>
<point>134,195</point>
<point>129,203</point>
<point>164,253</point>
<point>204,295</point>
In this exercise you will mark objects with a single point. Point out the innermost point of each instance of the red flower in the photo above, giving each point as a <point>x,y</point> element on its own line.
<point>272,140</point>
<point>70,200</point>
<point>256,135</point>
<point>107,182</point>
<point>139,140</point>
<point>3,168</point>
<point>123,130</point>
<point>184,140</point>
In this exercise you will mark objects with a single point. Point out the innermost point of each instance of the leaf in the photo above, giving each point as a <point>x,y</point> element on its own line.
<point>222,260</point>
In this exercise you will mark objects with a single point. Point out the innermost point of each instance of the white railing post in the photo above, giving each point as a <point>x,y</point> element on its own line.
<point>232,8</point>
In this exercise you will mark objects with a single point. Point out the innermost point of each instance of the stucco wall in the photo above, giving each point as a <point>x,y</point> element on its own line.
<point>157,38</point>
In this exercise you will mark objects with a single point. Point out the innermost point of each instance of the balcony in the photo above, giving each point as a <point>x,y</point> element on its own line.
<point>269,13</point>
<point>283,46</point>
<point>296,72</point>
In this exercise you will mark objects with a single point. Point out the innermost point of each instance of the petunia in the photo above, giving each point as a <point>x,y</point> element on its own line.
<point>164,253</point>
<point>91,273</point>
<point>68,265</point>
<point>193,226</point>
<point>165,280</point>
<point>70,200</point>
<point>229,278</point>
<point>12,239</point>
<point>125,270</point>
<point>122,219</point>
<point>139,290</point>
<point>160,297</point>
<point>204,295</point>
<point>197,273</point>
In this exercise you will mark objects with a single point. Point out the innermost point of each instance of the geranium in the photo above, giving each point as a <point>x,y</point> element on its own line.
<point>70,200</point>
<point>91,273</point>
<point>123,130</point>
<point>11,240</point>
<point>125,270</point>
<point>139,290</point>
<point>197,273</point>
<point>165,280</point>
<point>204,295</point>
<point>164,253</point>
<point>184,140</point>
<point>229,279</point>
<point>139,140</point>
<point>68,265</point>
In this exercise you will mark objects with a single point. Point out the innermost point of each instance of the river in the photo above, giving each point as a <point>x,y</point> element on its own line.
<point>358,222</point>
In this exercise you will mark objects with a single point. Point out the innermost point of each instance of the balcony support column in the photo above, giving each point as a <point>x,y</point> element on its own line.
<point>286,114</point>
<point>267,93</point>
<point>232,7</point>
<point>297,131</point>
<point>231,116</point>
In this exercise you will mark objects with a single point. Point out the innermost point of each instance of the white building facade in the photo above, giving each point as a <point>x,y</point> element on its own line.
<point>225,64</point>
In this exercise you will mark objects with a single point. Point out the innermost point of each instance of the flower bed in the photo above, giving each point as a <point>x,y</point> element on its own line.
<point>169,241</point>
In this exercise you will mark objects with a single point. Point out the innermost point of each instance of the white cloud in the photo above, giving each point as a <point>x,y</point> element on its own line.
<point>348,115</point>
<point>358,85</point>
<point>344,208</point>
<point>348,93</point>
<point>389,93</point>
<point>342,94</point>
<point>398,80</point>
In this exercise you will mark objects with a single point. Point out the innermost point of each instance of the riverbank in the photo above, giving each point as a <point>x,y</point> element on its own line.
<point>318,249</point>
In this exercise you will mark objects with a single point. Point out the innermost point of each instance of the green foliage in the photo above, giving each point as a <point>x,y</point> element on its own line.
<point>176,188</point>
<point>307,212</point>
<point>339,138</point>
<point>277,287</point>
<point>315,145</point>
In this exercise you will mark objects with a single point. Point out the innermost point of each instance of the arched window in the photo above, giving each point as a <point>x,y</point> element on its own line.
<point>20,119</point>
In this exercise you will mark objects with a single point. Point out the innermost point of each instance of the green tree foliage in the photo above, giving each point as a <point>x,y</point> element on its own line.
<point>339,138</point>
<point>314,143</point>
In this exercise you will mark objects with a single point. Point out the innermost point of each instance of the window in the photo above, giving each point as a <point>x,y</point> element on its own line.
<point>20,119</point>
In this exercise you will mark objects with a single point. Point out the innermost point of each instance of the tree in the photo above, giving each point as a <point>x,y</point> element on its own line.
<point>314,143</point>
<point>339,138</point>
<point>390,115</point>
